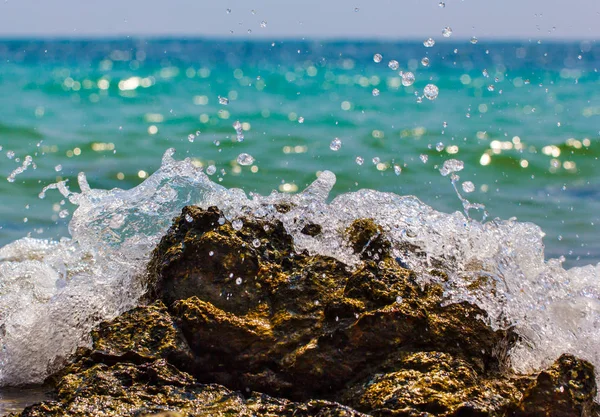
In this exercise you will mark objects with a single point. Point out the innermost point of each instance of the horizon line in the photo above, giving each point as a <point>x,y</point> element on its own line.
<point>264,39</point>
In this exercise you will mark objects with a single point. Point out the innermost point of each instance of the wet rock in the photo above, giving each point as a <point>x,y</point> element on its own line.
<point>301,326</point>
<point>567,388</point>
<point>433,383</point>
<point>367,238</point>
<point>232,317</point>
<point>157,388</point>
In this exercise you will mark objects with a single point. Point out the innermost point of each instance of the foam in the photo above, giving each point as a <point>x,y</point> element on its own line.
<point>53,293</point>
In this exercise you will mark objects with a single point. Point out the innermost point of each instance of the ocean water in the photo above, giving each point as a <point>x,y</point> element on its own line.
<point>110,139</point>
<point>523,116</point>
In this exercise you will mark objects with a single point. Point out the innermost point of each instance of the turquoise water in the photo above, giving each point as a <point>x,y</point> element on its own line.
<point>524,118</point>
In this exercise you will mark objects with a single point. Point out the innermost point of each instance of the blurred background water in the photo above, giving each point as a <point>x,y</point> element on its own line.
<point>523,116</point>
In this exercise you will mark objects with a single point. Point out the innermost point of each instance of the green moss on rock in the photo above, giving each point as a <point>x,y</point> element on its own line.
<point>307,329</point>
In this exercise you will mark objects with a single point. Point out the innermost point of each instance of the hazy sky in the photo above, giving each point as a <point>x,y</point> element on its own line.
<point>307,18</point>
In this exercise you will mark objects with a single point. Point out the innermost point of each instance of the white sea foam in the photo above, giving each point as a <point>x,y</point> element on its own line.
<point>53,293</point>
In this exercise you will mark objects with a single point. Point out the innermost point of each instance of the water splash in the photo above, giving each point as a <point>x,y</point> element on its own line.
<point>70,285</point>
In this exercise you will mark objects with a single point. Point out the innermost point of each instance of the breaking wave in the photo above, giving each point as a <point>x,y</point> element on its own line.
<point>52,293</point>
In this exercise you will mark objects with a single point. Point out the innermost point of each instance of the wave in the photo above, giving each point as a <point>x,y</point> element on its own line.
<point>52,293</point>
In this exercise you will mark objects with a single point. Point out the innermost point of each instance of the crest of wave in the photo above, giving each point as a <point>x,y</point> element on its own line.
<point>53,293</point>
<point>498,265</point>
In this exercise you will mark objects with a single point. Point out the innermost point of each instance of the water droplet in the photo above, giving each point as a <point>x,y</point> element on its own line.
<point>377,58</point>
<point>211,169</point>
<point>431,91</point>
<point>428,43</point>
<point>58,168</point>
<point>211,253</point>
<point>263,24</point>
<point>335,144</point>
<point>442,4</point>
<point>189,218</point>
<point>491,87</point>
<point>10,154</point>
<point>239,132</point>
<point>425,62</point>
<point>474,40</point>
<point>223,100</point>
<point>408,79</point>
<point>238,281</point>
<point>228,11</point>
<point>300,119</point>
<point>393,64</point>
<point>360,160</point>
<point>447,32</point>
<point>445,124</point>
<point>376,160</point>
<point>375,92</point>
<point>439,147</point>
<point>560,237</point>
<point>399,299</point>
<point>237,224</point>
<point>63,214</point>
<point>245,159</point>
<point>485,73</point>
<point>468,187</point>
<point>450,166</point>
<point>424,158</point>
<point>256,243</point>
<point>191,138</point>
<point>397,170</point>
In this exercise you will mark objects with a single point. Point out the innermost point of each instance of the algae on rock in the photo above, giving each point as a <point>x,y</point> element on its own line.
<point>307,329</point>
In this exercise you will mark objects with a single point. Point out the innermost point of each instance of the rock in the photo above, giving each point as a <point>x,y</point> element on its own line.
<point>301,334</point>
<point>567,388</point>
<point>159,389</point>
<point>434,383</point>
<point>302,326</point>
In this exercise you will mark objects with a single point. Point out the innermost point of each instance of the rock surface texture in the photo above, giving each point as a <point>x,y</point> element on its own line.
<point>238,323</point>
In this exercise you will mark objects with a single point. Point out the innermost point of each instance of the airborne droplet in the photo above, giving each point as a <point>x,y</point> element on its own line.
<point>450,166</point>
<point>211,169</point>
<point>468,187</point>
<point>428,43</point>
<point>431,91</point>
<point>408,79</point>
<point>447,32</point>
<point>245,159</point>
<point>335,144</point>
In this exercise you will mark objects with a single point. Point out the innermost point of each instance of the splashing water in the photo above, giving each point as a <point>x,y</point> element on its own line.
<point>70,285</point>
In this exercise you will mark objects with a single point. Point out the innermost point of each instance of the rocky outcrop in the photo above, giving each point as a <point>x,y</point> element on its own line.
<point>239,312</point>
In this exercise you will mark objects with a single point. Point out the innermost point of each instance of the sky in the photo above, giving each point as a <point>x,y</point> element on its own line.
<point>389,19</point>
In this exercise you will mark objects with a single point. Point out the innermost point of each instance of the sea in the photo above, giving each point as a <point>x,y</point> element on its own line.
<point>481,152</point>
<point>524,117</point>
